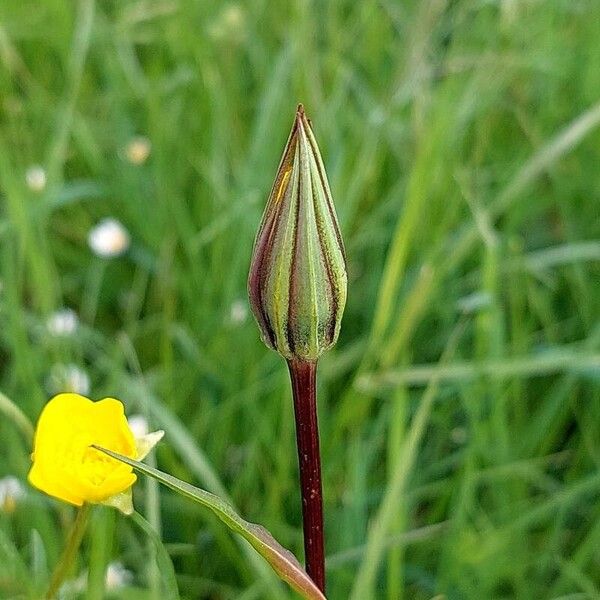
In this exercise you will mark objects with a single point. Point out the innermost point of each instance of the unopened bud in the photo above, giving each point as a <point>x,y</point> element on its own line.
<point>297,282</point>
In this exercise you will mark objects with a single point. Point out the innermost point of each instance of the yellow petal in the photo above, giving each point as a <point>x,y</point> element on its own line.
<point>53,488</point>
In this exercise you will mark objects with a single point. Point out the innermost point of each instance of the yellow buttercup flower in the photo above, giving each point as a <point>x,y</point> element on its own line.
<point>67,467</point>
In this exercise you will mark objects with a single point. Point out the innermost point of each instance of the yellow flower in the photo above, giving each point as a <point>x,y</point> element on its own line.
<point>67,467</point>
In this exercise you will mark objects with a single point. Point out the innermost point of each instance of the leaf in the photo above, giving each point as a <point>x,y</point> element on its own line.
<point>164,560</point>
<point>283,562</point>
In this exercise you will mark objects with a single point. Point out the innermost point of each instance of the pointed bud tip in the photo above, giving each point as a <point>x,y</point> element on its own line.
<point>301,118</point>
<point>302,121</point>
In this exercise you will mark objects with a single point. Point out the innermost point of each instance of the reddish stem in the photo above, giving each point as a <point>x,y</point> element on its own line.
<point>304,379</point>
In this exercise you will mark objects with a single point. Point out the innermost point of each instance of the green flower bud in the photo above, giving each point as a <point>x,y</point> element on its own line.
<point>297,281</point>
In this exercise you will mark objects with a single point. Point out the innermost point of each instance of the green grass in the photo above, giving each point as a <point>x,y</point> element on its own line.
<point>460,409</point>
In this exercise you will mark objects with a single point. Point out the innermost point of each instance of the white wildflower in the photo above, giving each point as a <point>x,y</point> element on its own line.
<point>238,312</point>
<point>11,492</point>
<point>138,150</point>
<point>68,378</point>
<point>108,239</point>
<point>233,16</point>
<point>63,322</point>
<point>474,302</point>
<point>138,425</point>
<point>459,435</point>
<point>117,576</point>
<point>230,24</point>
<point>35,178</point>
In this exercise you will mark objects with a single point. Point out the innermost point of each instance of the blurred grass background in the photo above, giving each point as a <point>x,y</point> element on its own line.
<point>460,410</point>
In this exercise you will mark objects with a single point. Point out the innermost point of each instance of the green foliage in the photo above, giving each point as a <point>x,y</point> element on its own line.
<point>461,139</point>
<point>283,562</point>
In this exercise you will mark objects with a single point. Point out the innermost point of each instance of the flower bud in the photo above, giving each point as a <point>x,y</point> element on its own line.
<point>297,282</point>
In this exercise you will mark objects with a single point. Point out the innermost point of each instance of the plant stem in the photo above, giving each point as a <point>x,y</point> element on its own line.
<point>66,560</point>
<point>101,540</point>
<point>304,387</point>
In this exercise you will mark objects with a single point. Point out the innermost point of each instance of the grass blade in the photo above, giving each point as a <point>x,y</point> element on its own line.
<point>162,558</point>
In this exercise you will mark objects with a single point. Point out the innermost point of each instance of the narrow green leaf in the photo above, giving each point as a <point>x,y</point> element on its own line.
<point>15,414</point>
<point>283,562</point>
<point>39,563</point>
<point>163,559</point>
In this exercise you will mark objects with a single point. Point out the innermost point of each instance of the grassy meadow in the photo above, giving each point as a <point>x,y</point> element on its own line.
<point>460,409</point>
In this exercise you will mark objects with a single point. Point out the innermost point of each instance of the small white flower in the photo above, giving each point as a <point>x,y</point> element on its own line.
<point>474,302</point>
<point>11,491</point>
<point>233,16</point>
<point>117,576</point>
<point>230,24</point>
<point>138,425</point>
<point>459,435</point>
<point>36,178</point>
<point>138,150</point>
<point>108,239</point>
<point>68,378</point>
<point>238,312</point>
<point>72,587</point>
<point>63,322</point>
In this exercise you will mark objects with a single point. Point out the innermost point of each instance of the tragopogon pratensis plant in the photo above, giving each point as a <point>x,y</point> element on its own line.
<point>85,452</point>
<point>297,288</point>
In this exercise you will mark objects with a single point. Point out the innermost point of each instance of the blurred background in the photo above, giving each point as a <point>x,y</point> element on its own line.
<point>460,409</point>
